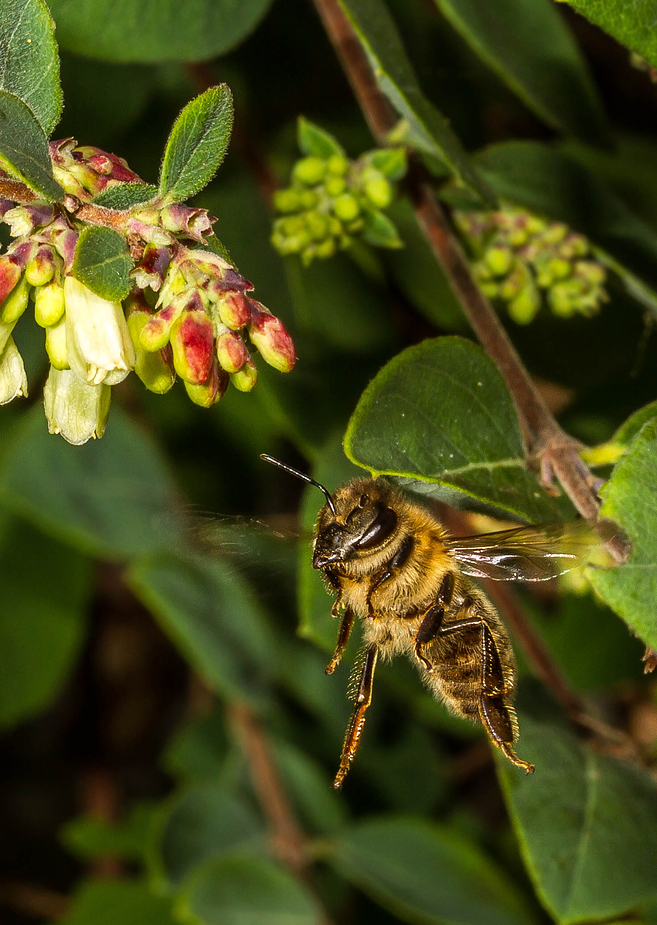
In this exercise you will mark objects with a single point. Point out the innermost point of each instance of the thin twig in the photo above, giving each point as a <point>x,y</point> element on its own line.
<point>545,440</point>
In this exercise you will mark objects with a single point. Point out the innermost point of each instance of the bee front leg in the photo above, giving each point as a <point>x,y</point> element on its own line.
<point>388,571</point>
<point>343,638</point>
<point>355,728</point>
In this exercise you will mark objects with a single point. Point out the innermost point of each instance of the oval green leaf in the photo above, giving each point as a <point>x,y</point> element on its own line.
<point>24,148</point>
<point>126,195</point>
<point>431,131</point>
<point>586,823</point>
<point>197,144</point>
<point>632,24</point>
<point>440,412</point>
<point>108,902</point>
<point>426,874</point>
<point>152,31</point>
<point>29,63</point>
<point>314,141</point>
<point>631,589</point>
<point>249,889</point>
<point>103,263</point>
<point>527,43</point>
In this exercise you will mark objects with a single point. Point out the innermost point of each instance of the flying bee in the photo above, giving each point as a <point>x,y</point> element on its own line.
<point>389,561</point>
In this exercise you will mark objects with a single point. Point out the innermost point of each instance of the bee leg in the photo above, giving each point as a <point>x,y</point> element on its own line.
<point>433,619</point>
<point>355,728</point>
<point>388,570</point>
<point>343,638</point>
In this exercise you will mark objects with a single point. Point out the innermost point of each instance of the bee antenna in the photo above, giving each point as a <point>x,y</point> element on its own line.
<point>303,477</point>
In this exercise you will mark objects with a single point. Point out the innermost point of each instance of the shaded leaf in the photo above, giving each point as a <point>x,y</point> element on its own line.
<point>29,63</point>
<point>197,144</point>
<point>320,808</point>
<point>632,24</point>
<point>45,589</point>
<point>90,837</point>
<point>125,195</point>
<point>108,902</point>
<point>24,148</point>
<point>249,889</point>
<point>150,31</point>
<point>313,140</point>
<point>631,427</point>
<point>109,498</point>
<point>453,422</point>
<point>527,43</point>
<point>197,750</point>
<point>213,617</point>
<point>392,162</point>
<point>426,874</point>
<point>103,263</point>
<point>587,824</point>
<point>629,500</point>
<point>197,825</point>
<point>379,230</point>
<point>394,74</point>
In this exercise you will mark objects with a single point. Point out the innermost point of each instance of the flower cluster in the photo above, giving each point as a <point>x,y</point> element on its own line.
<point>333,200</point>
<point>516,255</point>
<point>189,312</point>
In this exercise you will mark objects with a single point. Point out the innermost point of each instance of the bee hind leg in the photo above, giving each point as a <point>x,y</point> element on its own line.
<point>355,728</point>
<point>343,638</point>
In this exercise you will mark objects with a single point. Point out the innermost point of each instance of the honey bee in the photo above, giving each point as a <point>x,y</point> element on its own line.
<point>390,561</point>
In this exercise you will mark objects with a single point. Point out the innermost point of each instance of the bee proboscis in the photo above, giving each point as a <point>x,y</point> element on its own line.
<point>390,561</point>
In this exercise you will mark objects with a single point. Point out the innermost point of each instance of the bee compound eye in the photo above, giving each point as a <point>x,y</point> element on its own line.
<point>382,527</point>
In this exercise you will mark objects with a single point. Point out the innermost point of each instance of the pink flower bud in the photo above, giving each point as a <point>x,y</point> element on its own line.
<point>273,342</point>
<point>151,268</point>
<point>231,351</point>
<point>10,273</point>
<point>207,393</point>
<point>234,310</point>
<point>41,268</point>
<point>154,368</point>
<point>155,332</point>
<point>179,218</point>
<point>192,343</point>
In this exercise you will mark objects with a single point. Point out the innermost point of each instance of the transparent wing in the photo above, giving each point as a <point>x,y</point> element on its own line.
<point>529,553</point>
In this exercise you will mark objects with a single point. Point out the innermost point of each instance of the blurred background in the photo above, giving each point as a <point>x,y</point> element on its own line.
<point>163,638</point>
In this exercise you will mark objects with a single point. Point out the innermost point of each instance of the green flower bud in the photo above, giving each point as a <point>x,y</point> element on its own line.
<point>317,225</point>
<point>554,233</point>
<point>518,236</point>
<point>287,200</point>
<point>325,249</point>
<point>355,226</point>
<point>41,269</point>
<point>334,226</point>
<point>346,207</point>
<point>594,273</point>
<point>308,199</point>
<point>13,381</point>
<point>490,289</point>
<point>16,302</point>
<point>499,259</point>
<point>208,393</point>
<point>309,171</point>
<point>56,344</point>
<point>518,279</point>
<point>560,298</point>
<point>246,378</point>
<point>152,367</point>
<point>48,304</point>
<point>334,186</point>
<point>559,268</point>
<point>76,410</point>
<point>379,191</point>
<point>524,307</point>
<point>337,165</point>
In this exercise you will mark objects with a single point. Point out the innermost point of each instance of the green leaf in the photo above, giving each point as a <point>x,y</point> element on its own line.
<point>630,428</point>
<point>103,263</point>
<point>314,141</point>
<point>111,499</point>
<point>197,144</point>
<point>45,589</point>
<point>630,589</point>
<point>24,148</point>
<point>90,837</point>
<point>394,74</point>
<point>200,824</point>
<point>426,874</point>
<point>151,31</point>
<point>440,412</point>
<point>587,824</point>
<point>125,196</point>
<point>212,615</point>
<point>110,902</point>
<point>379,230</point>
<point>309,787</point>
<point>547,182</point>
<point>198,749</point>
<point>29,63</point>
<point>632,24</point>
<point>246,890</point>
<point>392,162</point>
<point>527,43</point>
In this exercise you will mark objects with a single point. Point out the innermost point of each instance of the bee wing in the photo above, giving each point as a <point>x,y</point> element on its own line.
<point>528,553</point>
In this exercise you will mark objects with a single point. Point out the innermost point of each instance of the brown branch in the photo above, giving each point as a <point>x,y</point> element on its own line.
<point>556,451</point>
<point>32,900</point>
<point>16,191</point>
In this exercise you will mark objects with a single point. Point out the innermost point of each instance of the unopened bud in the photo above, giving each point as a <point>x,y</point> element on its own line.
<point>246,378</point>
<point>499,259</point>
<point>16,302</point>
<point>346,207</point>
<point>524,307</point>
<point>338,165</point>
<point>48,304</point>
<point>271,339</point>
<point>155,333</point>
<point>13,381</point>
<point>379,191</point>
<point>309,171</point>
<point>334,186</point>
<point>192,343</point>
<point>10,273</point>
<point>232,352</point>
<point>317,225</point>
<point>287,200</point>
<point>41,268</point>
<point>76,410</point>
<point>152,367</point>
<point>234,310</point>
<point>56,347</point>
<point>207,393</point>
